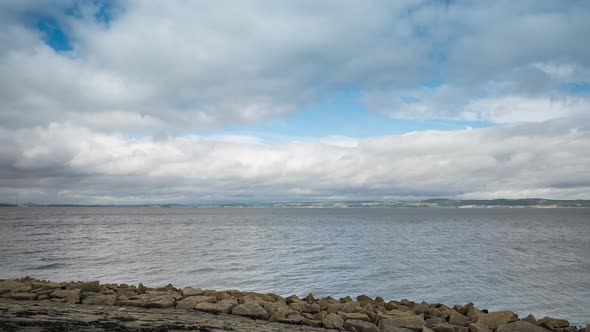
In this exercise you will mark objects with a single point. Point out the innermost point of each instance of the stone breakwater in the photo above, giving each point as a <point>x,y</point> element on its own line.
<point>363,314</point>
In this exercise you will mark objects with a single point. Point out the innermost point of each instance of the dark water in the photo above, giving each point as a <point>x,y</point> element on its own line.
<point>527,260</point>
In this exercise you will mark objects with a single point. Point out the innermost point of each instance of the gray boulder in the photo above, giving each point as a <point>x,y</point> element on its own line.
<point>355,325</point>
<point>66,295</point>
<point>458,319</point>
<point>553,323</point>
<point>475,327</point>
<point>220,307</point>
<point>495,319</point>
<point>333,321</point>
<point>400,329</point>
<point>520,326</point>
<point>100,299</point>
<point>90,286</point>
<point>12,286</point>
<point>414,323</point>
<point>189,291</point>
<point>251,310</point>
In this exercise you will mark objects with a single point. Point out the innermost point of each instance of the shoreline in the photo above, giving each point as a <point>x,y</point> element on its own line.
<point>84,305</point>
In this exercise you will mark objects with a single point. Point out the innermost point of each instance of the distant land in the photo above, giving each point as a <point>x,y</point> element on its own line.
<point>427,203</point>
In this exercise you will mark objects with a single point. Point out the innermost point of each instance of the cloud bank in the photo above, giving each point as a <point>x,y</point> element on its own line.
<point>69,164</point>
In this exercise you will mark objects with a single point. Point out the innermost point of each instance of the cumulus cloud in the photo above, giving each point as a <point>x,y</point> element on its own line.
<point>109,118</point>
<point>71,164</point>
<point>201,64</point>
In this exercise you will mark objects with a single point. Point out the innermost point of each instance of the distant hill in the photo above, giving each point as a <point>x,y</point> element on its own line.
<point>442,202</point>
<point>433,202</point>
<point>524,202</point>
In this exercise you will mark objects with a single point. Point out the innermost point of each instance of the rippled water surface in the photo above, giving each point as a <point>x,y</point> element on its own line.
<point>527,260</point>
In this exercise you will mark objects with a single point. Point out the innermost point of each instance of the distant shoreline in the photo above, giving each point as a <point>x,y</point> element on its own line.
<point>536,203</point>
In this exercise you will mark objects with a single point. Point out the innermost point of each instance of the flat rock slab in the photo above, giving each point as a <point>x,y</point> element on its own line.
<point>50,316</point>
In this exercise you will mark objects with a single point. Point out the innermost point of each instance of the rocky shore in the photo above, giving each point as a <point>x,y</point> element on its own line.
<point>29,304</point>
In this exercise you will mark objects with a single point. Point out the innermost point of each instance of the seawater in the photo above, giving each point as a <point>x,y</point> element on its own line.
<point>526,260</point>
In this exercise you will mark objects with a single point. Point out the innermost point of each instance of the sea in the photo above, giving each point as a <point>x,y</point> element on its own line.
<point>522,259</point>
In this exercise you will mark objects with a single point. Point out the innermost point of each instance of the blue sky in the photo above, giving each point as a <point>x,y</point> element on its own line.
<point>171,101</point>
<point>337,111</point>
<point>345,114</point>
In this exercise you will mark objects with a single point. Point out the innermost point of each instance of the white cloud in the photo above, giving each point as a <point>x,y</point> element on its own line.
<point>511,109</point>
<point>75,124</point>
<point>71,164</point>
<point>199,64</point>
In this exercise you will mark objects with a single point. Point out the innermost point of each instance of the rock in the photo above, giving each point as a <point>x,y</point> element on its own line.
<point>414,323</point>
<point>391,305</point>
<point>520,326</point>
<point>311,322</point>
<point>553,323</point>
<point>458,319</point>
<point>189,291</point>
<point>356,325</point>
<point>45,285</point>
<point>291,319</point>
<point>138,301</point>
<point>174,294</point>
<point>221,295</point>
<point>167,288</point>
<point>363,299</point>
<point>187,303</point>
<point>160,301</point>
<point>272,307</point>
<point>248,299</point>
<point>472,313</point>
<point>23,296</point>
<point>345,299</point>
<point>475,327</point>
<point>445,313</point>
<point>106,291</point>
<point>495,319</point>
<point>127,293</point>
<point>433,321</point>
<point>201,299</point>
<point>100,300</point>
<point>333,321</point>
<point>67,295</point>
<point>293,299</point>
<point>398,329</point>
<point>421,308</point>
<point>354,315</point>
<point>399,313</point>
<point>282,313</point>
<point>344,307</point>
<point>251,310</point>
<point>220,307</point>
<point>276,298</point>
<point>12,286</point>
<point>325,302</point>
<point>310,308</point>
<point>263,297</point>
<point>141,289</point>
<point>309,298</point>
<point>444,327</point>
<point>91,286</point>
<point>531,319</point>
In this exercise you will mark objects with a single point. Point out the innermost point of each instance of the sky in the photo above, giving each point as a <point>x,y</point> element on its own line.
<point>174,101</point>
